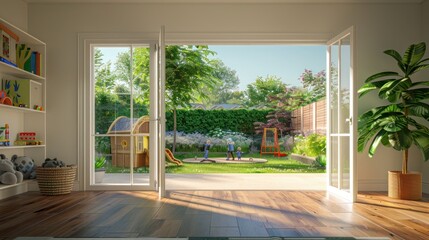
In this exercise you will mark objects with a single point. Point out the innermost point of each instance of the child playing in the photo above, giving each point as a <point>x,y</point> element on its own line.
<point>239,153</point>
<point>206,149</point>
<point>230,144</point>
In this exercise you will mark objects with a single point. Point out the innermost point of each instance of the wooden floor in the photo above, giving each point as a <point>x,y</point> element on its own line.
<point>212,213</point>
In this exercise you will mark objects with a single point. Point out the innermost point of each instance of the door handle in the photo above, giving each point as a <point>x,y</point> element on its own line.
<point>349,120</point>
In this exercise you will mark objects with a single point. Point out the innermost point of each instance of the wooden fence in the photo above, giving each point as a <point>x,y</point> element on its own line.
<point>310,118</point>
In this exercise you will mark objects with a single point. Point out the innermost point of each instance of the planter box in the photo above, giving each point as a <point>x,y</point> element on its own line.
<point>405,186</point>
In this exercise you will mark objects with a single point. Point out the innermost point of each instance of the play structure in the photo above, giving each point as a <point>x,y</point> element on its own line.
<point>170,157</point>
<point>121,145</point>
<point>270,143</point>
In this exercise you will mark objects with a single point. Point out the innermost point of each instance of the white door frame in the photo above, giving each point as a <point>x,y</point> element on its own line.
<point>350,195</point>
<point>180,38</point>
<point>85,112</point>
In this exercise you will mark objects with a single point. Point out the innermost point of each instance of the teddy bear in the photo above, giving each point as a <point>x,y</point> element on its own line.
<point>25,165</point>
<point>8,175</point>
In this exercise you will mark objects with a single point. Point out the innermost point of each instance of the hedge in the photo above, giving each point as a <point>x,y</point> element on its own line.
<point>203,121</point>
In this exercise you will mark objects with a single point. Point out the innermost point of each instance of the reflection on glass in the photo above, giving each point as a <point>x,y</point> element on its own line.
<point>345,162</point>
<point>334,87</point>
<point>344,97</point>
<point>334,161</point>
<point>121,105</point>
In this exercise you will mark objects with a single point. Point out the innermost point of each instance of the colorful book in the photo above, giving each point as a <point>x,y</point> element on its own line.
<point>27,64</point>
<point>33,62</point>
<point>2,59</point>
<point>38,63</point>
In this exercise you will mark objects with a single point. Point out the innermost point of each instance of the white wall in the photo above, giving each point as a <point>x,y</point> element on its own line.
<point>15,12</point>
<point>377,28</point>
<point>425,35</point>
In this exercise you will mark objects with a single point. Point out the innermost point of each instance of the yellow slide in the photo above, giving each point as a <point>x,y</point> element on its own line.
<point>171,158</point>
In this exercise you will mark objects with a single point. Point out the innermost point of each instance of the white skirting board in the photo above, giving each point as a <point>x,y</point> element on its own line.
<point>372,185</point>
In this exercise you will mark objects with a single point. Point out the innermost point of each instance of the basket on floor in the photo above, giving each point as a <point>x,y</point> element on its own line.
<point>56,181</point>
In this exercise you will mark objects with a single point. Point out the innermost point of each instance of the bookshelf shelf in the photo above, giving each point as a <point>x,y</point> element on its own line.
<point>25,88</point>
<point>17,72</point>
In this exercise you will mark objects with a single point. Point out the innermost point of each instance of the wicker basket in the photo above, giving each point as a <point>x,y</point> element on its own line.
<point>56,181</point>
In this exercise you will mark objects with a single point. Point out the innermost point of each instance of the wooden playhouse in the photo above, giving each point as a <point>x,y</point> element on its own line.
<point>121,145</point>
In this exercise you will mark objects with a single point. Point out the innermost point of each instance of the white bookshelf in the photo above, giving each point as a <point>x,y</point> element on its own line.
<point>22,119</point>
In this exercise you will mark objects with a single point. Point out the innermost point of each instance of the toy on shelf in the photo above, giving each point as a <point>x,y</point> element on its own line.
<point>4,135</point>
<point>24,93</point>
<point>8,40</point>
<point>4,99</point>
<point>27,138</point>
<point>38,108</point>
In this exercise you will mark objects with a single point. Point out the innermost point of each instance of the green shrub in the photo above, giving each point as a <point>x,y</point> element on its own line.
<point>214,121</point>
<point>312,145</point>
<point>321,161</point>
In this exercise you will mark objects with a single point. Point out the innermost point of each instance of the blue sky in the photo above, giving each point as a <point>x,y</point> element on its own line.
<point>285,61</point>
<point>250,61</point>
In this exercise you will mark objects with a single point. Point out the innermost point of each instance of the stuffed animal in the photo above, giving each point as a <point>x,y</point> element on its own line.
<point>52,163</point>
<point>25,165</point>
<point>8,175</point>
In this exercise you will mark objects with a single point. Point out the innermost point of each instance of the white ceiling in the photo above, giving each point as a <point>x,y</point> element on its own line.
<point>224,1</point>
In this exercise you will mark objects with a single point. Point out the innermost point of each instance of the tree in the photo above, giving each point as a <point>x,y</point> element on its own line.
<point>226,89</point>
<point>189,75</point>
<point>314,83</point>
<point>283,104</point>
<point>258,92</point>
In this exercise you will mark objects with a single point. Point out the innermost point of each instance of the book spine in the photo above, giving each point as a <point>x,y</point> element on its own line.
<point>38,59</point>
<point>27,64</point>
<point>33,62</point>
<point>2,59</point>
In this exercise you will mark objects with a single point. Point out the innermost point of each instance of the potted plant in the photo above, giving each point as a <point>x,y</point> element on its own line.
<point>403,121</point>
<point>99,168</point>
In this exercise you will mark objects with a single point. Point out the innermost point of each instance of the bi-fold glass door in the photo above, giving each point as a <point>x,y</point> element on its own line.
<point>121,131</point>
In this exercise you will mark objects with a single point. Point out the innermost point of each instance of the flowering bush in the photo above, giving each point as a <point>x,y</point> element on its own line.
<point>193,142</point>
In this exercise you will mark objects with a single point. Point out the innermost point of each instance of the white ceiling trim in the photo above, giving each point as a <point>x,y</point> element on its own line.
<point>226,1</point>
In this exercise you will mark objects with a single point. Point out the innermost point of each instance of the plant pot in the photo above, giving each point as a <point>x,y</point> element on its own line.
<point>405,186</point>
<point>99,175</point>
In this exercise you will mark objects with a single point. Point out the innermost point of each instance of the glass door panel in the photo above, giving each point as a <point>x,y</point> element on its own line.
<point>341,128</point>
<point>121,79</point>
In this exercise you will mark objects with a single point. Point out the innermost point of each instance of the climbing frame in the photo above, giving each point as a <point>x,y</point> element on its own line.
<point>270,142</point>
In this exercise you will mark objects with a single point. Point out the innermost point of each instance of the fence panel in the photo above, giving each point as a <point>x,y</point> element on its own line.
<point>310,118</point>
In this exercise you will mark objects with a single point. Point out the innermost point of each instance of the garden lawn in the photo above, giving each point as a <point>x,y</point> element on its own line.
<point>273,165</point>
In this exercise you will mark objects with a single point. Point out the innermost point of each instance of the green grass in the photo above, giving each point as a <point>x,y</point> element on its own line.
<point>273,165</point>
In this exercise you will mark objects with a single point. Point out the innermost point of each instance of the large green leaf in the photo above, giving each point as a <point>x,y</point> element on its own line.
<point>417,125</point>
<point>401,140</point>
<point>394,123</point>
<point>417,68</point>
<point>375,142</point>
<point>421,139</point>
<point>418,109</point>
<point>397,57</point>
<point>368,87</point>
<point>392,90</point>
<point>414,54</point>
<point>415,95</point>
<point>424,83</point>
<point>380,75</point>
